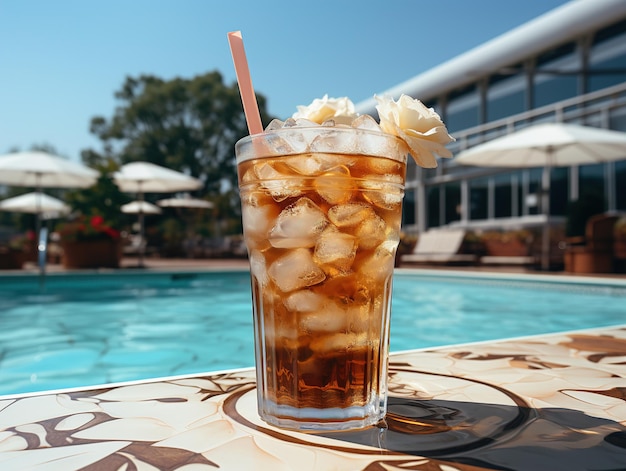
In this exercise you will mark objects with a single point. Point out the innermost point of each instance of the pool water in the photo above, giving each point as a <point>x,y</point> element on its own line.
<point>86,330</point>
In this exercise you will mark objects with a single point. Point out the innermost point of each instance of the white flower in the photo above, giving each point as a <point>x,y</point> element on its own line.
<point>420,127</point>
<point>340,110</point>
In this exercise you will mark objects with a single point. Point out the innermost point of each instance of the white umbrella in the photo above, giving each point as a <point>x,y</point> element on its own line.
<point>548,145</point>
<point>136,207</point>
<point>185,202</point>
<point>43,170</point>
<point>35,203</point>
<point>146,177</point>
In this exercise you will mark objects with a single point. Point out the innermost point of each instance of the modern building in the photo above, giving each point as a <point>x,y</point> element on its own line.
<point>568,65</point>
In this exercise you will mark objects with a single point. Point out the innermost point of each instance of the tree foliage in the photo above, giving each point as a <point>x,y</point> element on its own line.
<point>189,125</point>
<point>103,198</point>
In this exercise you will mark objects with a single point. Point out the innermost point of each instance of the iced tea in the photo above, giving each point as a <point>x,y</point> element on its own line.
<point>321,210</point>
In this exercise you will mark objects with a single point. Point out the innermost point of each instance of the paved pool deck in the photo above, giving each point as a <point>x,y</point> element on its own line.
<point>153,263</point>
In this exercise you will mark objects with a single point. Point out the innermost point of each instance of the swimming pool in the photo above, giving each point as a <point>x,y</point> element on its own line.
<point>118,326</point>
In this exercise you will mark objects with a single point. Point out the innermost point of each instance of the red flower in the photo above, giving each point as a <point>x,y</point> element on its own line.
<point>96,221</point>
<point>88,228</point>
<point>111,232</point>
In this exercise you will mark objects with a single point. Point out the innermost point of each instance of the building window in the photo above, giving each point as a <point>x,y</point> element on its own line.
<point>506,95</point>
<point>620,185</point>
<point>432,196</point>
<point>408,208</point>
<point>533,192</point>
<point>463,109</point>
<point>479,198</point>
<point>591,183</point>
<point>607,64</point>
<point>453,202</point>
<point>559,191</point>
<point>503,196</point>
<point>556,75</point>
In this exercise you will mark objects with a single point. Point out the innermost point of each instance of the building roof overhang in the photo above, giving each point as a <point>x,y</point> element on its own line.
<point>547,31</point>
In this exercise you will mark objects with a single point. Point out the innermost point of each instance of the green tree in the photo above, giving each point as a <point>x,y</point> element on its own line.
<point>104,197</point>
<point>189,125</point>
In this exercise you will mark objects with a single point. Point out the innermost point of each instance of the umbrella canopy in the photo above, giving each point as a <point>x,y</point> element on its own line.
<point>548,145</point>
<point>145,177</point>
<point>43,170</point>
<point>186,202</point>
<point>35,203</point>
<point>137,207</point>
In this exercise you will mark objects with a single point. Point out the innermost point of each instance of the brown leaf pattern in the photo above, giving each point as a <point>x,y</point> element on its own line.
<point>551,402</point>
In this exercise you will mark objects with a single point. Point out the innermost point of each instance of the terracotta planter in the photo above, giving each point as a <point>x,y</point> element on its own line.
<point>92,254</point>
<point>509,248</point>
<point>12,259</point>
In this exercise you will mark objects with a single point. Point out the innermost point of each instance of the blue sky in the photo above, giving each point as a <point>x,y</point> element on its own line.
<point>63,60</point>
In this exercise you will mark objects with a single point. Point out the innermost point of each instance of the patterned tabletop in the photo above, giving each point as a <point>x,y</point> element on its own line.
<point>539,403</point>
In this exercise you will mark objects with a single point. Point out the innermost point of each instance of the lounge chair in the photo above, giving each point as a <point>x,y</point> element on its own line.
<point>592,253</point>
<point>441,246</point>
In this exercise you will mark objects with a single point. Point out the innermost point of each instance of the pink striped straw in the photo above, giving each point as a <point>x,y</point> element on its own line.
<point>248,98</point>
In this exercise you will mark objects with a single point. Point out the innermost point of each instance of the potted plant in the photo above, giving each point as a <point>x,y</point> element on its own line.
<point>20,249</point>
<point>89,242</point>
<point>514,243</point>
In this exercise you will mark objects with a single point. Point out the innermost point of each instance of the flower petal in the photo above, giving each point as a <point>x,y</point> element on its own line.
<point>420,127</point>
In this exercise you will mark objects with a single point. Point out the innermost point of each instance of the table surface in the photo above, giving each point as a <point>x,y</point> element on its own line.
<point>544,402</point>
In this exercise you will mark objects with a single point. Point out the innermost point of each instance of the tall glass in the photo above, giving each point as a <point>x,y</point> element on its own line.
<point>321,211</point>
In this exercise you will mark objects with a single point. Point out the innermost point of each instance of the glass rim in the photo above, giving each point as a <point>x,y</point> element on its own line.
<point>373,143</point>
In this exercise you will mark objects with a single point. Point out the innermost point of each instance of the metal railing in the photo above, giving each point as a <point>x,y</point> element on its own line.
<point>596,108</point>
<point>590,107</point>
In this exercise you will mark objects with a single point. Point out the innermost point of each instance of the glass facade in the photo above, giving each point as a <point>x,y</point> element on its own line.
<point>620,185</point>
<point>498,103</point>
<point>506,95</point>
<point>463,109</point>
<point>607,57</point>
<point>557,75</point>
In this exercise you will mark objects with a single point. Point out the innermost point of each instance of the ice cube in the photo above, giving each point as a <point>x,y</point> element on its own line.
<point>305,123</point>
<point>304,301</point>
<point>279,185</point>
<point>367,123</point>
<point>335,185</point>
<point>349,214</point>
<point>384,191</point>
<point>392,169</point>
<point>335,249</point>
<point>347,289</point>
<point>298,225</point>
<point>340,342</point>
<point>274,125</point>
<point>258,268</point>
<point>333,140</point>
<point>295,270</point>
<point>330,319</point>
<point>379,265</point>
<point>257,218</point>
<point>377,144</point>
<point>287,143</point>
<point>371,232</point>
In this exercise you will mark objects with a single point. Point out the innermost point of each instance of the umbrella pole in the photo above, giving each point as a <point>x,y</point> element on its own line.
<point>545,206</point>
<point>38,192</point>
<point>141,230</point>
